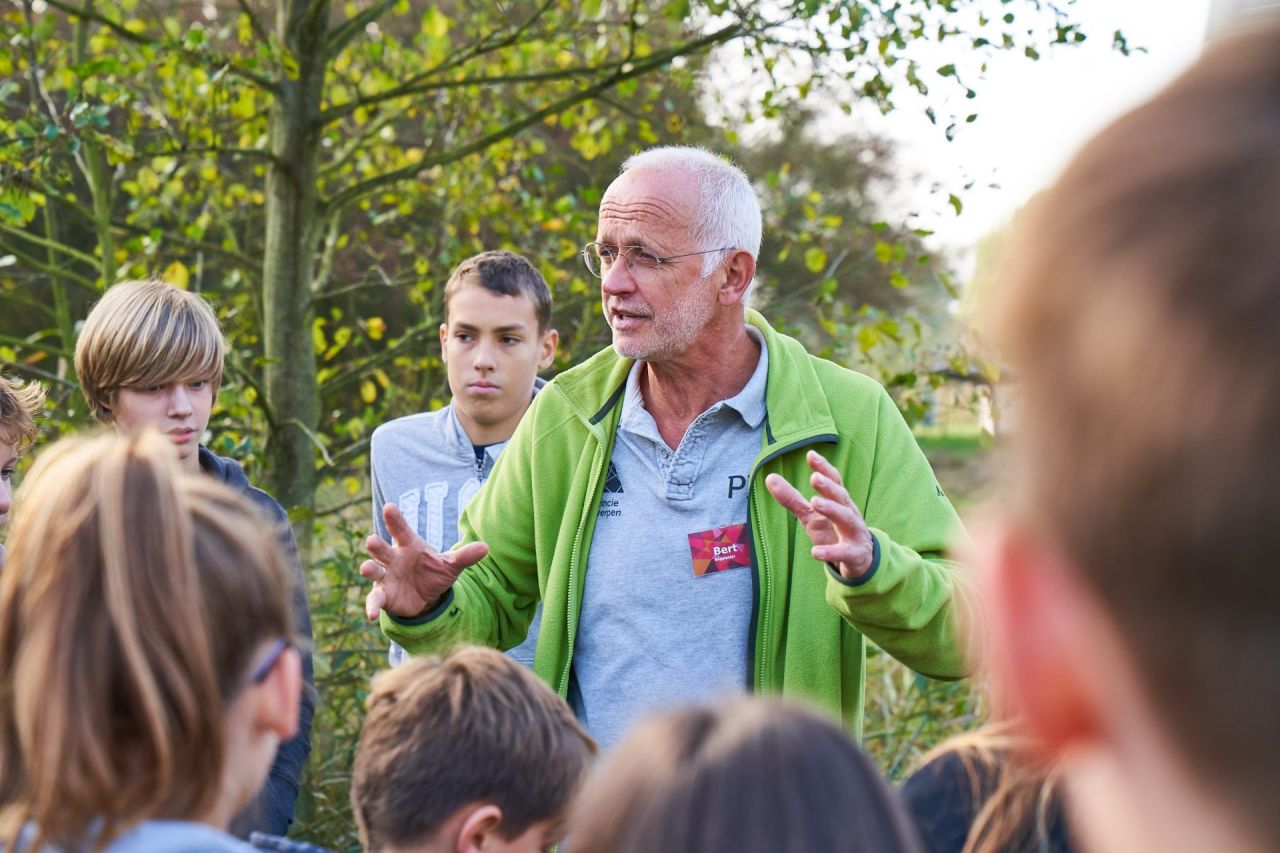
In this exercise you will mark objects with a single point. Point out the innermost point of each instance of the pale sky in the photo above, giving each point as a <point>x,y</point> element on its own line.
<point>1034,115</point>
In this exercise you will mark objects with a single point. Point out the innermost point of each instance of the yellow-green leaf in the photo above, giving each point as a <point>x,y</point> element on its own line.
<point>434,23</point>
<point>815,259</point>
<point>368,391</point>
<point>177,275</point>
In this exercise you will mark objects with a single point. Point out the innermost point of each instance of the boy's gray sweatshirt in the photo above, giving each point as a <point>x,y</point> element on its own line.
<point>426,465</point>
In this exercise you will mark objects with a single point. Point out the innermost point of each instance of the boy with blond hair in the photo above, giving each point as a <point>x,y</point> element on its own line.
<point>463,753</point>
<point>149,356</point>
<point>19,405</point>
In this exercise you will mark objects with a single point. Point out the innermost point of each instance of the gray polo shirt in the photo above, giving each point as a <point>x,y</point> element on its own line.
<point>668,592</point>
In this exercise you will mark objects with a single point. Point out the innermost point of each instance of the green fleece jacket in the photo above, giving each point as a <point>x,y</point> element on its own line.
<point>538,511</point>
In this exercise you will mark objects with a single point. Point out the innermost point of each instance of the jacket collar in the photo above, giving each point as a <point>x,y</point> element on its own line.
<point>796,404</point>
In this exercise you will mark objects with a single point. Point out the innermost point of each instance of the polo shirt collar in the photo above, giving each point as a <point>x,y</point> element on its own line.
<point>749,403</point>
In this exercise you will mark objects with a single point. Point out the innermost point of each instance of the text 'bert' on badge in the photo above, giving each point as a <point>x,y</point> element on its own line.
<point>719,549</point>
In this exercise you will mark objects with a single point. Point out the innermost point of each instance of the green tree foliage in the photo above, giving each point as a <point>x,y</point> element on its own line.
<point>316,167</point>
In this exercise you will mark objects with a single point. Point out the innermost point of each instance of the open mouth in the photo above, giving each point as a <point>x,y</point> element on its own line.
<point>622,320</point>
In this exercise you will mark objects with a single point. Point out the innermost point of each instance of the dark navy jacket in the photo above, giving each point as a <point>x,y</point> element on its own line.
<point>942,800</point>
<point>272,811</point>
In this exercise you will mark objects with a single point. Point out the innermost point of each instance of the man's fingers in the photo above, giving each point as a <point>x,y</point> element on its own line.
<point>374,601</point>
<point>846,519</point>
<point>372,570</point>
<point>401,532</point>
<point>466,555</point>
<point>830,489</point>
<point>379,549</point>
<point>787,495</point>
<point>820,465</point>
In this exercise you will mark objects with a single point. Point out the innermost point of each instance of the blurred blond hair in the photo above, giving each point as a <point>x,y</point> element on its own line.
<point>132,602</point>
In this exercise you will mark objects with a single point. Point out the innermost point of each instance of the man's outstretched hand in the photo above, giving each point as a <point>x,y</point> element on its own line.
<point>840,535</point>
<point>409,576</point>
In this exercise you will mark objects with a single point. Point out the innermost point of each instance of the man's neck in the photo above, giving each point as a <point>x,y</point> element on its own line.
<point>677,391</point>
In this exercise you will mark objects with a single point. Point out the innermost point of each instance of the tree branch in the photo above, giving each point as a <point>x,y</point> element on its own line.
<point>354,144</point>
<point>201,245</point>
<point>50,244</point>
<point>37,373</point>
<point>633,69</point>
<point>148,41</point>
<point>245,377</point>
<point>463,82</point>
<point>254,23</point>
<point>417,83</point>
<point>411,337</point>
<point>53,270</point>
<point>353,26</point>
<point>255,153</point>
<point>362,498</point>
<point>57,352</point>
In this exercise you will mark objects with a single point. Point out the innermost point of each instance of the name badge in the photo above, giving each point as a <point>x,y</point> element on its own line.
<point>719,549</point>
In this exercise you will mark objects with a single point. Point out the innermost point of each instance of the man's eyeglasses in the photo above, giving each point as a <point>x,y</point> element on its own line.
<point>641,263</point>
<point>269,660</point>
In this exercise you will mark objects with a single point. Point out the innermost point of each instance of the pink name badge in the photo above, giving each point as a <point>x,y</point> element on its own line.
<point>719,549</point>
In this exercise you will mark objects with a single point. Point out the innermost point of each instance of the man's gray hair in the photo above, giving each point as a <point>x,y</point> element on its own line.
<point>728,209</point>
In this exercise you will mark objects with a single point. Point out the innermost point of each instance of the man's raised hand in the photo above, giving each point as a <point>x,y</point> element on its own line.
<point>409,576</point>
<point>839,533</point>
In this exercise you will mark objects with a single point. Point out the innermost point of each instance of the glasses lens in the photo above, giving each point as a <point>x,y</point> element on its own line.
<point>591,257</point>
<point>600,257</point>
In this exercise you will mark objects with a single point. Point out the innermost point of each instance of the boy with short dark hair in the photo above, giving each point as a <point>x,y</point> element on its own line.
<point>19,405</point>
<point>465,753</point>
<point>1136,605</point>
<point>496,336</point>
<point>149,356</point>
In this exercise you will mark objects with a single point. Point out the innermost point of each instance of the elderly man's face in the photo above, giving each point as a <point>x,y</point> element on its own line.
<point>659,319</point>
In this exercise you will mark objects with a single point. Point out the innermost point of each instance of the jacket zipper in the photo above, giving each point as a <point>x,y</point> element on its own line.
<point>759,618</point>
<point>563,686</point>
<point>570,612</point>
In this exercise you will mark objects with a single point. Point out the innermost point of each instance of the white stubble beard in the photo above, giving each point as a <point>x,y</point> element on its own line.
<point>671,335</point>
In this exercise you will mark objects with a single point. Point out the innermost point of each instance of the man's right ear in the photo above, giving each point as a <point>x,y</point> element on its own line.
<point>444,338</point>
<point>1040,639</point>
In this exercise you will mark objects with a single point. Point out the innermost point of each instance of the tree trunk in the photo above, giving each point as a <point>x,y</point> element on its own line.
<point>293,401</point>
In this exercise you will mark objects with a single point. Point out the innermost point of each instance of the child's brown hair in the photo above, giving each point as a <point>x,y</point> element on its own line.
<point>472,726</point>
<point>133,601</point>
<point>746,776</point>
<point>506,274</point>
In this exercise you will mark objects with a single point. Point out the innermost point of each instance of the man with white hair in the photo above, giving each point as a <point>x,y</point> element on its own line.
<point>632,500</point>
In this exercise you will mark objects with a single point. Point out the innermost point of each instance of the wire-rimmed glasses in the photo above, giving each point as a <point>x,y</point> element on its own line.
<point>641,263</point>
